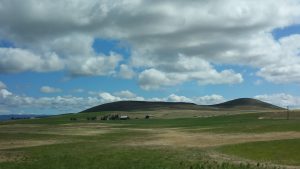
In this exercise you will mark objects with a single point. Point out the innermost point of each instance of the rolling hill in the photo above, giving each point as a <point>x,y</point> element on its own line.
<point>237,104</point>
<point>247,103</point>
<point>145,105</point>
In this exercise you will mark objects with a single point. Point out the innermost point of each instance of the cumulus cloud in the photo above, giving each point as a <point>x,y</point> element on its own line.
<point>201,100</point>
<point>118,96</point>
<point>107,97</point>
<point>17,60</point>
<point>13,103</point>
<point>52,36</point>
<point>126,72</point>
<point>209,99</point>
<point>153,79</point>
<point>281,99</point>
<point>184,70</point>
<point>4,93</point>
<point>48,89</point>
<point>2,85</point>
<point>125,94</point>
<point>176,98</point>
<point>99,65</point>
<point>286,69</point>
<point>281,74</point>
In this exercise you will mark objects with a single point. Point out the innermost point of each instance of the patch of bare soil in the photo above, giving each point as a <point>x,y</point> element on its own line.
<point>184,139</point>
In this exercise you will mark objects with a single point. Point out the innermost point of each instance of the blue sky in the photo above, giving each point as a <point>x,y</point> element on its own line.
<point>61,65</point>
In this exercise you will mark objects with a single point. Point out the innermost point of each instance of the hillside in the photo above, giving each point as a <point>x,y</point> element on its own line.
<point>238,104</point>
<point>145,105</point>
<point>246,103</point>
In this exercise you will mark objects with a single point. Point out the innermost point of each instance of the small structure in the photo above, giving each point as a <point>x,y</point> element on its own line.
<point>124,117</point>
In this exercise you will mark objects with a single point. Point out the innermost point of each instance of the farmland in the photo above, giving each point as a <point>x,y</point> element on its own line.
<point>226,141</point>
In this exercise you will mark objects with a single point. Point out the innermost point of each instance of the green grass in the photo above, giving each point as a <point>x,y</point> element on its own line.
<point>245,123</point>
<point>88,156</point>
<point>220,124</point>
<point>104,152</point>
<point>278,152</point>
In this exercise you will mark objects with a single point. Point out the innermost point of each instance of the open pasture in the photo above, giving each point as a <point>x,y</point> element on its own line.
<point>227,141</point>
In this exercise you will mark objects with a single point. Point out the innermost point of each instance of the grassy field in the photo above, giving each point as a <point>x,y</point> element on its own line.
<point>278,151</point>
<point>221,142</point>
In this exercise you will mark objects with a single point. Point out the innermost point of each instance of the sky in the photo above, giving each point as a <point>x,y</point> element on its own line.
<point>65,56</point>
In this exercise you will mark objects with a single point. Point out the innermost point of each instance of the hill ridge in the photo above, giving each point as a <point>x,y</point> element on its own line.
<point>128,105</point>
<point>246,102</point>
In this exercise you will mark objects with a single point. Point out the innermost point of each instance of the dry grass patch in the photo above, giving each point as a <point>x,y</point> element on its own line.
<point>171,137</point>
<point>65,129</point>
<point>5,145</point>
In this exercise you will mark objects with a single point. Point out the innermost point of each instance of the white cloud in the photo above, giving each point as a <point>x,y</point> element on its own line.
<point>2,85</point>
<point>209,99</point>
<point>4,93</point>
<point>118,96</point>
<point>126,72</point>
<point>281,99</point>
<point>13,103</point>
<point>186,69</point>
<point>91,66</point>
<point>48,89</point>
<point>201,100</point>
<point>176,98</point>
<point>107,97</point>
<point>125,94</point>
<point>53,36</point>
<point>281,74</point>
<point>287,68</point>
<point>17,60</point>
<point>153,79</point>
<point>69,45</point>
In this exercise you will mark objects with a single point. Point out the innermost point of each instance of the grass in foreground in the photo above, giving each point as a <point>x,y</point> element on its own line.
<point>278,152</point>
<point>105,152</point>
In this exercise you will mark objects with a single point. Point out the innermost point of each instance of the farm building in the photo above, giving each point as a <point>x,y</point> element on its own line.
<point>124,117</point>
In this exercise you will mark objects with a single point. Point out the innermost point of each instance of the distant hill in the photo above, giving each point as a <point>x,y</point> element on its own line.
<point>19,116</point>
<point>246,103</point>
<point>144,105</point>
<point>238,104</point>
